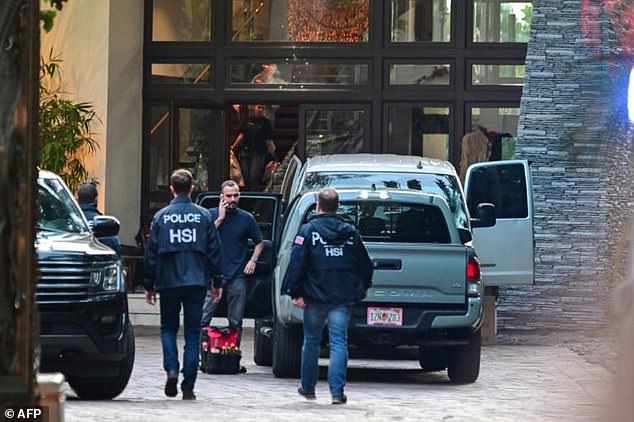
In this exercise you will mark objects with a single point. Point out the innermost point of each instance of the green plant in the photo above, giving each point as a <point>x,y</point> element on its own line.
<point>65,127</point>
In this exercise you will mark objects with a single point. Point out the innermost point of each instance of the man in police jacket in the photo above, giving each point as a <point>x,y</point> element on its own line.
<point>182,256</point>
<point>329,271</point>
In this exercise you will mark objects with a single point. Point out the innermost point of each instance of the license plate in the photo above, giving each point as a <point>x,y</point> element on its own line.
<point>385,316</point>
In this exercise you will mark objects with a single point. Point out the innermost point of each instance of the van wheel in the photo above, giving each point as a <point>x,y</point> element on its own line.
<point>287,350</point>
<point>432,359</point>
<point>262,344</point>
<point>106,388</point>
<point>463,362</point>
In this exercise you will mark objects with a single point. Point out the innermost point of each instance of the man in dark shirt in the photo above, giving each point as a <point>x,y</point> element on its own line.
<point>87,198</point>
<point>253,143</point>
<point>235,227</point>
<point>181,258</point>
<point>329,271</point>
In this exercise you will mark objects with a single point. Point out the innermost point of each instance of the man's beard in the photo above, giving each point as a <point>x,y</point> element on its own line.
<point>231,208</point>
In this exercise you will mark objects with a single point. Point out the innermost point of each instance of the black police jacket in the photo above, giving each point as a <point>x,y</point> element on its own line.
<point>183,248</point>
<point>329,263</point>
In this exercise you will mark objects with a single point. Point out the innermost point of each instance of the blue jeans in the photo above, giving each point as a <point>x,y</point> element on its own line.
<point>235,290</point>
<point>315,317</point>
<point>191,299</point>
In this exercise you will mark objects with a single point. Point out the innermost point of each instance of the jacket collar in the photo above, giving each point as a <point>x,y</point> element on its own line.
<point>181,199</point>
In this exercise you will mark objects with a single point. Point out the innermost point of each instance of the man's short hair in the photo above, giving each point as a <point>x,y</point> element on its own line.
<point>87,193</point>
<point>328,200</point>
<point>181,181</point>
<point>228,183</point>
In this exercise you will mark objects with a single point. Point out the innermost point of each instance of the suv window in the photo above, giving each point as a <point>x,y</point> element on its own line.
<point>394,222</point>
<point>56,209</point>
<point>444,185</point>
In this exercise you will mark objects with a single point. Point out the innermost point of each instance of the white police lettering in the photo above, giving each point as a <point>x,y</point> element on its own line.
<point>181,218</point>
<point>182,235</point>
<point>331,250</point>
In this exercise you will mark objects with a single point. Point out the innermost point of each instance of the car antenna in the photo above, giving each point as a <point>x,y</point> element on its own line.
<point>419,165</point>
<point>373,187</point>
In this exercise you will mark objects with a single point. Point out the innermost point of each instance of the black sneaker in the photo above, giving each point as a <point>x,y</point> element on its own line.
<point>171,384</point>
<point>306,395</point>
<point>342,399</point>
<point>189,395</point>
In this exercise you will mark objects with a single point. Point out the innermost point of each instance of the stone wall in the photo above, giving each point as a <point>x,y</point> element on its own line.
<point>572,129</point>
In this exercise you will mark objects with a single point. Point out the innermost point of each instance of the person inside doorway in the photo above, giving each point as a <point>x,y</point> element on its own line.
<point>253,143</point>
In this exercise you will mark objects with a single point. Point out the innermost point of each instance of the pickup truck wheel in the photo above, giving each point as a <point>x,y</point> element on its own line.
<point>287,350</point>
<point>432,359</point>
<point>262,344</point>
<point>106,388</point>
<point>463,362</point>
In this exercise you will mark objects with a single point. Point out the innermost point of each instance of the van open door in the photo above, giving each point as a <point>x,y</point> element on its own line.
<point>506,250</point>
<point>291,176</point>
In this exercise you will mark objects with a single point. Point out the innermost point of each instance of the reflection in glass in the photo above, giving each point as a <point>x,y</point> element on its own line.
<point>334,131</point>
<point>497,74</point>
<point>194,139</point>
<point>419,74</point>
<point>181,73</point>
<point>300,20</point>
<point>420,20</point>
<point>302,72</point>
<point>159,148</point>
<point>419,131</point>
<point>502,21</point>
<point>181,20</point>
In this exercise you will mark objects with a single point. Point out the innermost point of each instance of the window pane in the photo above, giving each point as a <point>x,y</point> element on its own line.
<point>181,73</point>
<point>334,131</point>
<point>502,21</point>
<point>421,20</point>
<point>503,186</point>
<point>194,139</point>
<point>159,161</point>
<point>419,74</point>
<point>300,20</point>
<point>419,131</point>
<point>304,72</point>
<point>181,20</point>
<point>497,74</point>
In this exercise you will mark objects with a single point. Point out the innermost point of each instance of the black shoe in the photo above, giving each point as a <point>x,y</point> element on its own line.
<point>342,399</point>
<point>170,384</point>
<point>189,395</point>
<point>304,394</point>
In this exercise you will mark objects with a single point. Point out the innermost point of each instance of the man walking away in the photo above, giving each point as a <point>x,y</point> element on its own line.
<point>235,226</point>
<point>329,271</point>
<point>182,255</point>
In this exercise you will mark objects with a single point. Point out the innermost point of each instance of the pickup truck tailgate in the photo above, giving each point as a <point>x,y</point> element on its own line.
<point>418,273</point>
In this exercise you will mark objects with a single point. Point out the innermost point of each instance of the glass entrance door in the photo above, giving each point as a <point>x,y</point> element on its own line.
<point>334,129</point>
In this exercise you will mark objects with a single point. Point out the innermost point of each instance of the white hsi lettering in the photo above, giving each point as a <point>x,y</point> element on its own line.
<point>182,218</point>
<point>333,251</point>
<point>182,235</point>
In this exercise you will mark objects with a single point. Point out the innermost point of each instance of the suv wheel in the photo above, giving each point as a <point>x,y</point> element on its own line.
<point>262,343</point>
<point>463,362</point>
<point>108,387</point>
<point>287,350</point>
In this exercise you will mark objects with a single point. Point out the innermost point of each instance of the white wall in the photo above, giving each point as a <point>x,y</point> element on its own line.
<point>101,45</point>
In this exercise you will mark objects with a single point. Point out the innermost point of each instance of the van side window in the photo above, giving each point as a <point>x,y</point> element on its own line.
<point>503,186</point>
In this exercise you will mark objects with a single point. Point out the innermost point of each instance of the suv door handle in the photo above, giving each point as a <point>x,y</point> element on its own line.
<point>387,264</point>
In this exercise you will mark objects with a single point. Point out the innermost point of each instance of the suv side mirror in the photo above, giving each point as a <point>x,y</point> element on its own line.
<point>485,215</point>
<point>105,225</point>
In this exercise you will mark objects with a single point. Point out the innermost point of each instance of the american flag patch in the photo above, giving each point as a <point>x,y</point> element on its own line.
<point>299,240</point>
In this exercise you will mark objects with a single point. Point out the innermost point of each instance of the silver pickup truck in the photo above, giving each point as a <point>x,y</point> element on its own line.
<point>424,236</point>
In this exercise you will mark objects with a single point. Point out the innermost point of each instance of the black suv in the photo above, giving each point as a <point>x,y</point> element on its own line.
<point>85,330</point>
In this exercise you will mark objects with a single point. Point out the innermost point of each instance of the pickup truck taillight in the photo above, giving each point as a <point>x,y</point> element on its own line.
<point>473,277</point>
